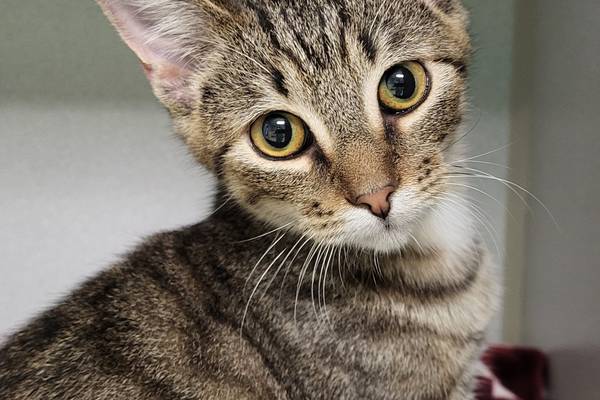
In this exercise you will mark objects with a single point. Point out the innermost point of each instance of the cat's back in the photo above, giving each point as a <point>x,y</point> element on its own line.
<point>145,328</point>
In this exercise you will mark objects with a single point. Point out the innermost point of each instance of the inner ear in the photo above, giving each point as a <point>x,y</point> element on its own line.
<point>166,36</point>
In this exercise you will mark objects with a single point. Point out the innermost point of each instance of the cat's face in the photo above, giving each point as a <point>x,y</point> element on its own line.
<point>335,119</point>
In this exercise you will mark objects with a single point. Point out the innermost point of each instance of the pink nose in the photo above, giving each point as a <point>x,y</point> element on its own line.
<point>378,202</point>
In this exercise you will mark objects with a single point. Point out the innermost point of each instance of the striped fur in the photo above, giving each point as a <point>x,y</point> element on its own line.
<point>287,291</point>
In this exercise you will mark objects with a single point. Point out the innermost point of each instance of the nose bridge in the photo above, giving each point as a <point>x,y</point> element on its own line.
<point>364,165</point>
<point>363,162</point>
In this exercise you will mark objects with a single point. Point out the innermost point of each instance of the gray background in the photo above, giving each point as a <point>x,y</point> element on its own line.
<point>88,165</point>
<point>558,64</point>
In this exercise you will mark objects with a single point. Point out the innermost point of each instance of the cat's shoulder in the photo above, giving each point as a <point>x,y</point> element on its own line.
<point>155,296</point>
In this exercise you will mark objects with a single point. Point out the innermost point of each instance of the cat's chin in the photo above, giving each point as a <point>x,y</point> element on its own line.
<point>370,233</point>
<point>441,227</point>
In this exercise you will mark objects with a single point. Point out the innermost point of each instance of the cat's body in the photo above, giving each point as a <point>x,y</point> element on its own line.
<point>165,324</point>
<point>348,268</point>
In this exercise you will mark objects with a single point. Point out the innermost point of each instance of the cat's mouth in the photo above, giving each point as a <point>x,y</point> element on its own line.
<point>412,222</point>
<point>365,230</point>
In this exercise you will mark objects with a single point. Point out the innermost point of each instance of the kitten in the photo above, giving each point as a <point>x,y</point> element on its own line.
<point>341,260</point>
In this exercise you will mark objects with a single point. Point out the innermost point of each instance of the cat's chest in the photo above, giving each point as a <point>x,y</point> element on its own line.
<point>381,344</point>
<point>387,355</point>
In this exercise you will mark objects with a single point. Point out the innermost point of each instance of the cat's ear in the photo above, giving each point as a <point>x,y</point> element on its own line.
<point>166,36</point>
<point>445,5</point>
<point>453,8</point>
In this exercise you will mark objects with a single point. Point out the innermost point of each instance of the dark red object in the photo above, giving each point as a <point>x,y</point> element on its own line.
<point>522,371</point>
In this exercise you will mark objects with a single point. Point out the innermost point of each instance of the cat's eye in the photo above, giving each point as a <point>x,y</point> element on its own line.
<point>280,135</point>
<point>403,87</point>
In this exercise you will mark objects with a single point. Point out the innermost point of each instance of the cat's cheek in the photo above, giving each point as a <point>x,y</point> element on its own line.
<point>449,224</point>
<point>275,191</point>
<point>278,213</point>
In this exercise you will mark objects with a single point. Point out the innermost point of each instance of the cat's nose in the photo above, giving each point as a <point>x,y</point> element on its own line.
<point>377,202</point>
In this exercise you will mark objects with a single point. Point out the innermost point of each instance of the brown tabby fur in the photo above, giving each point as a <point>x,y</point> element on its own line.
<point>272,297</point>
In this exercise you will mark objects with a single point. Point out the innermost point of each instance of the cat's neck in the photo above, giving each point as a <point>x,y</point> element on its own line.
<point>441,257</point>
<point>345,309</point>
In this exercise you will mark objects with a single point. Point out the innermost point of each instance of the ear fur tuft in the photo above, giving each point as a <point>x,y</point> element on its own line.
<point>453,8</point>
<point>447,6</point>
<point>167,37</point>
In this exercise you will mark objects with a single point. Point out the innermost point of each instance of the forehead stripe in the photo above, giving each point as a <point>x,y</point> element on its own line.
<point>279,81</point>
<point>269,29</point>
<point>368,45</point>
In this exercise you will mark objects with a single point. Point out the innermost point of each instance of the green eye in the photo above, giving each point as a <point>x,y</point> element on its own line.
<point>403,87</point>
<point>279,135</point>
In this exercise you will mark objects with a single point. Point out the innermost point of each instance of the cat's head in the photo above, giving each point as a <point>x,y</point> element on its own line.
<point>333,118</point>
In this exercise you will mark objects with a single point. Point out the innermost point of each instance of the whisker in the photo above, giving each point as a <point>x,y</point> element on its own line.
<point>470,175</point>
<point>485,154</point>
<point>321,282</point>
<point>475,207</point>
<point>312,280</point>
<point>478,191</point>
<point>475,212</point>
<point>372,270</point>
<point>227,200</point>
<point>513,187</point>
<point>376,260</point>
<point>287,270</point>
<point>324,260</point>
<point>277,240</point>
<point>281,264</point>
<point>417,242</point>
<point>339,263</point>
<point>303,270</point>
<point>483,162</point>
<point>492,177</point>
<point>267,233</point>
<point>329,324</point>
<point>266,271</point>
<point>468,132</point>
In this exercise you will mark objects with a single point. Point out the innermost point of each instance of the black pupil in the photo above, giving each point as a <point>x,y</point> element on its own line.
<point>401,82</point>
<point>277,131</point>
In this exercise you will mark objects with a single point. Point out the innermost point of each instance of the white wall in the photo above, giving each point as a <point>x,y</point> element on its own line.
<point>492,24</point>
<point>88,163</point>
<point>88,166</point>
<point>562,269</point>
<point>81,185</point>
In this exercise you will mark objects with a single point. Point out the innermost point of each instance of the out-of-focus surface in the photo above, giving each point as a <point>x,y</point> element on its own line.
<point>64,51</point>
<point>562,268</point>
<point>80,186</point>
<point>89,165</point>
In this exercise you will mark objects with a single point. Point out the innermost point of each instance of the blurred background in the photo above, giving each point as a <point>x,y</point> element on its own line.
<point>89,166</point>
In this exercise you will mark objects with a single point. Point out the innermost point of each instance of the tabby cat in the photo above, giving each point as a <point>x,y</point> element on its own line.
<point>341,260</point>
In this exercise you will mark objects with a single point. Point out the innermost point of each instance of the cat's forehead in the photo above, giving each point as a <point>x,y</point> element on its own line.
<point>321,59</point>
<point>325,40</point>
<point>322,52</point>
<point>319,28</point>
